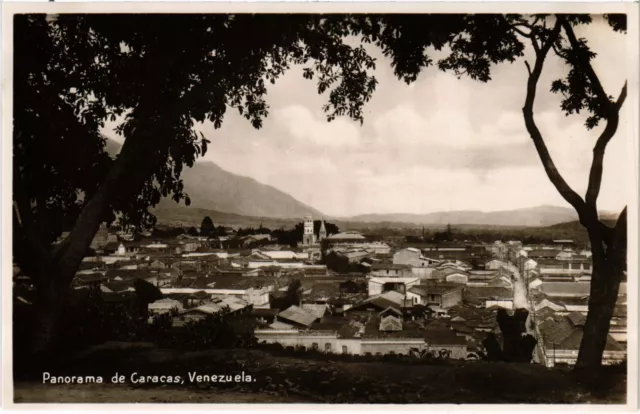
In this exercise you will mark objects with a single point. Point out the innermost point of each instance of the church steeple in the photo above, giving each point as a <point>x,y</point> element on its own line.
<point>323,231</point>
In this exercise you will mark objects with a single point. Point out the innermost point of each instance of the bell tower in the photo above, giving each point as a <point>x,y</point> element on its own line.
<point>323,231</point>
<point>308,236</point>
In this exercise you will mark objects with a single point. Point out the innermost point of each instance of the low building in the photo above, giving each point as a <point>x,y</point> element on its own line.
<point>560,341</point>
<point>165,305</point>
<point>488,297</point>
<point>390,270</point>
<point>234,305</point>
<point>412,257</point>
<point>440,295</point>
<point>297,317</point>
<point>494,264</point>
<point>378,285</point>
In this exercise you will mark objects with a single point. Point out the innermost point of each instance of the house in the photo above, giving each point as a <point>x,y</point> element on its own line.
<point>440,295</point>
<point>378,303</point>
<point>546,303</point>
<point>564,289</point>
<point>535,283</point>
<point>481,277</point>
<point>567,266</point>
<point>284,255</point>
<point>297,317</point>
<point>560,341</point>
<point>487,296</point>
<point>457,277</point>
<point>390,270</point>
<point>165,305</point>
<point>232,304</point>
<point>319,310</point>
<point>390,320</point>
<point>353,255</point>
<point>378,285</point>
<point>412,257</point>
<point>494,264</point>
<point>543,253</point>
<point>347,237</point>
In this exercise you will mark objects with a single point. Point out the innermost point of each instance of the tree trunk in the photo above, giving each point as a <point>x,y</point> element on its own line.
<point>605,283</point>
<point>54,283</point>
<point>50,300</point>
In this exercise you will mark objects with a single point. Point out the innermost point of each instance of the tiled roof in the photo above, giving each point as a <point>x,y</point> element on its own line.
<point>565,288</point>
<point>424,290</point>
<point>317,310</point>
<point>389,266</point>
<point>488,292</point>
<point>298,315</point>
<point>576,318</point>
<point>559,333</point>
<point>390,323</point>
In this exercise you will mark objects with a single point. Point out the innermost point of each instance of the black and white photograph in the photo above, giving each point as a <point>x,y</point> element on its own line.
<point>320,204</point>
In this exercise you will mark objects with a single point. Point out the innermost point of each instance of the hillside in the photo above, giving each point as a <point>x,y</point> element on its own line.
<point>309,378</point>
<point>213,188</point>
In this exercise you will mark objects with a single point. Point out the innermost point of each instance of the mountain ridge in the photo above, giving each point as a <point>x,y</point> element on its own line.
<point>213,188</point>
<point>210,187</point>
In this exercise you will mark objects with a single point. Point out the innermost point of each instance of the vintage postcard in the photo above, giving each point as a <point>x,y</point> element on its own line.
<point>329,204</point>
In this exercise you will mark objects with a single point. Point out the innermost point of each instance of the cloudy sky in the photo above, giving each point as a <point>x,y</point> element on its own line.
<point>438,144</point>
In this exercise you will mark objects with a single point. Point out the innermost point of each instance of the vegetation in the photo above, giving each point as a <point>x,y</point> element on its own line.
<point>207,228</point>
<point>308,376</point>
<point>341,264</point>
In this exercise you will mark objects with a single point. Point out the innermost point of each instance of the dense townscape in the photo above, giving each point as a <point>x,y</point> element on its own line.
<point>344,292</point>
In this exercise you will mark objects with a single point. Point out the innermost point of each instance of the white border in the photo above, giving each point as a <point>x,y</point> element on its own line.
<point>8,9</point>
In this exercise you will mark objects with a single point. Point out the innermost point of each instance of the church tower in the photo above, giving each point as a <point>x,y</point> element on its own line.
<point>323,231</point>
<point>308,237</point>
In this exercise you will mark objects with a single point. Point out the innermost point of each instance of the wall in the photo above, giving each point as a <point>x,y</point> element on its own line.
<point>452,298</point>
<point>391,272</point>
<point>422,272</point>
<point>457,278</point>
<point>457,351</point>
<point>295,338</point>
<point>407,257</point>
<point>503,303</point>
<point>494,265</point>
<point>398,346</point>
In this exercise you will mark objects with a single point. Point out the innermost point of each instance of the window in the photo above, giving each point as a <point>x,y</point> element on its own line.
<point>327,347</point>
<point>345,350</point>
<point>587,266</point>
<point>314,346</point>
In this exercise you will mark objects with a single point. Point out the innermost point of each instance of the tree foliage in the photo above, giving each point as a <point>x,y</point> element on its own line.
<point>207,228</point>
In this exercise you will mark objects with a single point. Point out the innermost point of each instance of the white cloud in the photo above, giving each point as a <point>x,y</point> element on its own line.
<point>440,144</point>
<point>308,128</point>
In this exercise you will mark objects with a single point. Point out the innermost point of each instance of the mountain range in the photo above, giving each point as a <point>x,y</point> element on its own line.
<point>539,216</point>
<point>212,188</point>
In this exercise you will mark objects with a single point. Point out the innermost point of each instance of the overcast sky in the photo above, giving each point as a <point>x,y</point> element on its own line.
<point>438,144</point>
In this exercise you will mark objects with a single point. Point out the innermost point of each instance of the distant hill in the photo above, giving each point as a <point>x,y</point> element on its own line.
<point>212,188</point>
<point>530,217</point>
<point>237,199</point>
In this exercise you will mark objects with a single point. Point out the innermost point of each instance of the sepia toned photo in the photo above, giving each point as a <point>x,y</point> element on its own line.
<point>320,205</point>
